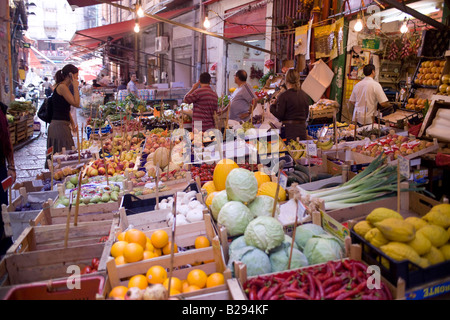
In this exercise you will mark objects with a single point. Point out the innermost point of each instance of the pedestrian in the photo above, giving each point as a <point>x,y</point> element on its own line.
<point>292,108</point>
<point>59,131</point>
<point>205,102</point>
<point>366,96</point>
<point>122,85</point>
<point>7,168</point>
<point>131,86</point>
<point>47,87</point>
<point>242,100</point>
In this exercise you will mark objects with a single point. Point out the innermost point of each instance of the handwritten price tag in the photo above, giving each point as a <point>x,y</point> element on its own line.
<point>49,151</point>
<point>301,209</point>
<point>403,166</point>
<point>311,149</point>
<point>283,180</point>
<point>7,183</point>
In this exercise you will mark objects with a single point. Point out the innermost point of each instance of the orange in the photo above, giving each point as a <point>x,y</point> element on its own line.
<point>148,255</point>
<point>121,236</point>
<point>174,291</point>
<point>149,246</point>
<point>139,281</point>
<point>215,279</point>
<point>136,236</point>
<point>184,285</point>
<point>197,277</point>
<point>201,242</point>
<point>175,283</point>
<point>158,252</point>
<point>118,292</point>
<point>156,274</point>
<point>159,238</point>
<point>168,248</point>
<point>191,288</point>
<point>120,260</point>
<point>117,248</point>
<point>133,252</point>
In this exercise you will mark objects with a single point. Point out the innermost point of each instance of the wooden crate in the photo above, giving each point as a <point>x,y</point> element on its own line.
<point>12,133</point>
<point>16,221</point>
<point>209,259</point>
<point>33,266</point>
<point>21,130</point>
<point>41,238</point>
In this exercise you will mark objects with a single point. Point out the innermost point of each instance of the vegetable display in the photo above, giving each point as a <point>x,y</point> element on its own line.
<point>335,280</point>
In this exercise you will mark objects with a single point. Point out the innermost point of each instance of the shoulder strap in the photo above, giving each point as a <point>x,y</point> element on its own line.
<point>248,90</point>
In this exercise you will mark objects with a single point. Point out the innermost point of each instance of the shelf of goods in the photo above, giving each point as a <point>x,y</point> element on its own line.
<point>323,108</point>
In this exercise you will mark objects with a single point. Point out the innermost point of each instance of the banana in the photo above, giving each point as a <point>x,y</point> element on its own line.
<point>325,145</point>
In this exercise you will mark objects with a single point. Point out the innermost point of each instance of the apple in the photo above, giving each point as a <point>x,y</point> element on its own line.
<point>101,171</point>
<point>445,79</point>
<point>93,172</point>
<point>111,171</point>
<point>131,165</point>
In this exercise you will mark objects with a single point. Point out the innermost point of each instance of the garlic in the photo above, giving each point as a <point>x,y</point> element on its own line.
<point>194,215</point>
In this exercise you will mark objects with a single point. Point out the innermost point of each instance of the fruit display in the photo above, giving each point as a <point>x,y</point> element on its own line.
<point>335,280</point>
<point>423,241</point>
<point>92,268</point>
<point>392,146</point>
<point>323,108</point>
<point>444,87</point>
<point>60,174</point>
<point>417,104</point>
<point>112,166</point>
<point>297,149</point>
<point>71,155</point>
<point>429,73</point>
<point>90,194</point>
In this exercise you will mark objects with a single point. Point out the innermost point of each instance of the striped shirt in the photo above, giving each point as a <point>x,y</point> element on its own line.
<point>205,102</point>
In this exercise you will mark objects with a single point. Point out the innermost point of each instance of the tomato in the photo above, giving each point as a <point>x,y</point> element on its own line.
<point>86,270</point>
<point>94,263</point>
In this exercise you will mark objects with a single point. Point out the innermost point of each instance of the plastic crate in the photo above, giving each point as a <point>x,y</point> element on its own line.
<point>313,129</point>
<point>134,204</point>
<point>412,274</point>
<point>105,130</point>
<point>90,288</point>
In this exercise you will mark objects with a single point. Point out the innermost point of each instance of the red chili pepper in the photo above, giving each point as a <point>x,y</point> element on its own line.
<point>252,294</point>
<point>320,291</point>
<point>335,293</point>
<point>294,284</point>
<point>297,295</point>
<point>347,265</point>
<point>271,291</point>
<point>387,291</point>
<point>262,292</point>
<point>312,289</point>
<point>352,292</point>
<point>332,288</point>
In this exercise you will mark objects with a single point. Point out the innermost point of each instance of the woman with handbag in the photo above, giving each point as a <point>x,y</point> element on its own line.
<point>59,131</point>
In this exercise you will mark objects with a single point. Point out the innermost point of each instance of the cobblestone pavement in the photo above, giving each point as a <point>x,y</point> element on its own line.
<point>30,158</point>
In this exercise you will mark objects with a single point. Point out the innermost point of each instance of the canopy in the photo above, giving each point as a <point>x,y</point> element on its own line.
<point>84,3</point>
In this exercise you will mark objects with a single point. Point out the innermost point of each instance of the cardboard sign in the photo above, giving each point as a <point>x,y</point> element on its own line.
<point>311,149</point>
<point>403,166</point>
<point>283,179</point>
<point>7,183</point>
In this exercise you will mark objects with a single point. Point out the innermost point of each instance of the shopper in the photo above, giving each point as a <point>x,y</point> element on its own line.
<point>242,100</point>
<point>122,85</point>
<point>59,130</point>
<point>132,85</point>
<point>7,168</point>
<point>292,108</point>
<point>205,102</point>
<point>47,86</point>
<point>366,96</point>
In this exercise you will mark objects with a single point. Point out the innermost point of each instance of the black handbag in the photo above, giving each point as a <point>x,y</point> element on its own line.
<point>45,112</point>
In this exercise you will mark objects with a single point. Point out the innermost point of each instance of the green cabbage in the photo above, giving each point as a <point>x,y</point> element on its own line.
<point>264,233</point>
<point>304,232</point>
<point>256,261</point>
<point>263,206</point>
<point>241,185</point>
<point>235,216</point>
<point>218,202</point>
<point>237,243</point>
<point>323,248</point>
<point>279,258</point>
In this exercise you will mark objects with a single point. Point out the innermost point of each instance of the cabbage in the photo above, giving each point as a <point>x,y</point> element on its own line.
<point>264,233</point>
<point>323,248</point>
<point>256,261</point>
<point>237,243</point>
<point>241,185</point>
<point>263,206</point>
<point>288,240</point>
<point>235,216</point>
<point>218,202</point>
<point>279,258</point>
<point>304,232</point>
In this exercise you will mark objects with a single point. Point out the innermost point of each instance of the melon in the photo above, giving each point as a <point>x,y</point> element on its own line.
<point>221,171</point>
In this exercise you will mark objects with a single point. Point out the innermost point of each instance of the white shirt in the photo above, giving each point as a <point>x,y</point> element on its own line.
<point>365,95</point>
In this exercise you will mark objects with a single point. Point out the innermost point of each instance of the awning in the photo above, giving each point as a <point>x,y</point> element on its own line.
<point>33,61</point>
<point>84,3</point>
<point>91,38</point>
<point>244,23</point>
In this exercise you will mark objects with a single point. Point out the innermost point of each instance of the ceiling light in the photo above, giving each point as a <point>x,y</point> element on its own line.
<point>140,12</point>
<point>404,27</point>
<point>206,23</point>
<point>136,27</point>
<point>358,25</point>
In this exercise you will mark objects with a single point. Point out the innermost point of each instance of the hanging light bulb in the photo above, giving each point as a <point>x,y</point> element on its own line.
<point>358,25</point>
<point>404,27</point>
<point>206,23</point>
<point>136,27</point>
<point>140,12</point>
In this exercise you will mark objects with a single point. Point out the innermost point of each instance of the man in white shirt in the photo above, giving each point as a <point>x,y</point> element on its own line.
<point>131,87</point>
<point>365,97</point>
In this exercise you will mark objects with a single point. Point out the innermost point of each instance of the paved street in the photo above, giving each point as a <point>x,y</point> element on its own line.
<point>30,158</point>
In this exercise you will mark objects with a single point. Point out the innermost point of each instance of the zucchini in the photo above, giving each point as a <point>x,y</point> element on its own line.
<point>302,174</point>
<point>300,178</point>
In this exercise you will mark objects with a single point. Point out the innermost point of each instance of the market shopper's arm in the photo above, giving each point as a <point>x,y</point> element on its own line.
<point>279,108</point>
<point>72,99</point>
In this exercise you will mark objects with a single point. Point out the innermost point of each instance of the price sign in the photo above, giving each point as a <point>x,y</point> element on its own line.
<point>312,149</point>
<point>301,209</point>
<point>49,151</point>
<point>7,183</point>
<point>283,179</point>
<point>403,166</point>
